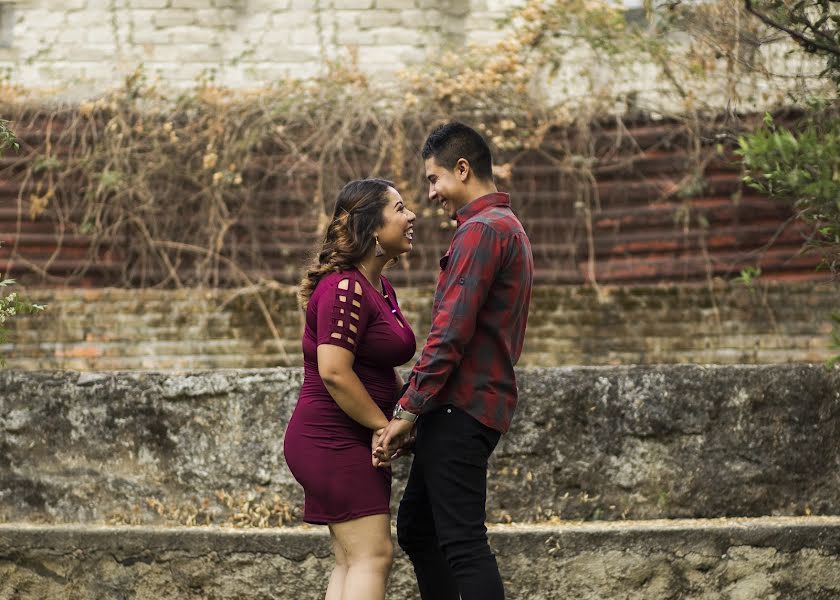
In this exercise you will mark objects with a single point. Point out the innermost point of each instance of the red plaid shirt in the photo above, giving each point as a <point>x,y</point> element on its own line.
<point>479,316</point>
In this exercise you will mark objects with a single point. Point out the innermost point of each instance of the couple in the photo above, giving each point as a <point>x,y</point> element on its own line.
<point>461,394</point>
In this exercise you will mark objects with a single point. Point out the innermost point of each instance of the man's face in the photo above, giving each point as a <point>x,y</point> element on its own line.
<point>446,187</point>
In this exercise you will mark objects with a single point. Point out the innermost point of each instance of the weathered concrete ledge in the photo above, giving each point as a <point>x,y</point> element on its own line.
<point>727,559</point>
<point>591,442</point>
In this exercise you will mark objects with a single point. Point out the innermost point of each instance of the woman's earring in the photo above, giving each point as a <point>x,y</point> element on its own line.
<point>379,251</point>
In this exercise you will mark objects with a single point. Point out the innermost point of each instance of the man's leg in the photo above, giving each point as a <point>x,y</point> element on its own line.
<point>416,534</point>
<point>455,472</point>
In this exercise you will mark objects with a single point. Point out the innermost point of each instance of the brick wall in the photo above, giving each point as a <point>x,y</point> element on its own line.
<point>155,329</point>
<point>84,44</point>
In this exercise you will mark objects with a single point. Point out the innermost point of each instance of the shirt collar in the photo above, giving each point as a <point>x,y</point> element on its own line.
<point>481,204</point>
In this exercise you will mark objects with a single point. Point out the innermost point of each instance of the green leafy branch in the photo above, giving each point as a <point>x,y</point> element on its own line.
<point>801,167</point>
<point>12,304</point>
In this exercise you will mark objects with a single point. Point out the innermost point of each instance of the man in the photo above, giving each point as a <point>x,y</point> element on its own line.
<point>463,388</point>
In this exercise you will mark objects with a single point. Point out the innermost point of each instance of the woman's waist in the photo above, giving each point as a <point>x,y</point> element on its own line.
<point>380,384</point>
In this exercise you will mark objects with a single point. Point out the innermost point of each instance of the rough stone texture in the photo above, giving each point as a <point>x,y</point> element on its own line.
<point>37,41</point>
<point>114,329</point>
<point>771,559</point>
<point>593,443</point>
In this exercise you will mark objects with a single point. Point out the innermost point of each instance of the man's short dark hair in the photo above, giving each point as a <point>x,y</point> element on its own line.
<point>452,141</point>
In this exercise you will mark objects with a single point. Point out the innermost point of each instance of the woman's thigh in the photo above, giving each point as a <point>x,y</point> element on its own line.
<point>365,538</point>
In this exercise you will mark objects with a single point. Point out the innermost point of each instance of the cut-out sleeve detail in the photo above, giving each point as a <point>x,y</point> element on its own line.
<point>342,314</point>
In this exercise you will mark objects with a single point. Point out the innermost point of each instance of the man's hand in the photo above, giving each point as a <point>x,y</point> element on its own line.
<point>393,437</point>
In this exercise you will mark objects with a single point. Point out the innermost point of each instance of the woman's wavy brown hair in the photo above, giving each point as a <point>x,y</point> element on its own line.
<point>349,237</point>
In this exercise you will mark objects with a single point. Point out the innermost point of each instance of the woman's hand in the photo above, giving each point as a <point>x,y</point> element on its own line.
<point>378,459</point>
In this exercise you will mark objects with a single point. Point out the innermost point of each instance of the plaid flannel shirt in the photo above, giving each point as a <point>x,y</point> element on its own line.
<point>479,317</point>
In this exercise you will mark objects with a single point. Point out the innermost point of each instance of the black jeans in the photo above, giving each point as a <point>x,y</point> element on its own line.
<point>440,523</point>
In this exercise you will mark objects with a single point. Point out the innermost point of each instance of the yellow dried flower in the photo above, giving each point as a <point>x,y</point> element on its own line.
<point>210,160</point>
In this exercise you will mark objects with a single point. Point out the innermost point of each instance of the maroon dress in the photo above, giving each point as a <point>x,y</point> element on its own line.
<point>328,452</point>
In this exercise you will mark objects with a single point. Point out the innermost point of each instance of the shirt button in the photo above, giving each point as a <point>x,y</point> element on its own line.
<point>449,410</point>
<point>461,281</point>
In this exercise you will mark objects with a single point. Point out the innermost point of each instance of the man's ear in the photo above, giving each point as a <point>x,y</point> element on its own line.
<point>462,169</point>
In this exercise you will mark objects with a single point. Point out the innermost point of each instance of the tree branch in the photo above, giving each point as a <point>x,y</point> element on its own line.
<point>835,50</point>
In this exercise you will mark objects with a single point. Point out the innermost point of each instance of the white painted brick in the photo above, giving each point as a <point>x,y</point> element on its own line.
<point>44,20</point>
<point>151,36</point>
<point>395,4</point>
<point>305,37</point>
<point>353,37</point>
<point>191,4</point>
<point>379,54</point>
<point>353,4</point>
<point>504,5</point>
<point>346,19</point>
<point>281,52</point>
<point>259,21</point>
<point>399,36</point>
<point>307,5</point>
<point>101,35</point>
<point>420,18</point>
<point>92,53</point>
<point>293,19</point>
<point>177,18</point>
<point>149,4</point>
<point>216,18</point>
<point>485,37</point>
<point>379,18</point>
<point>257,6</point>
<point>68,37</point>
<point>188,53</point>
<point>193,35</point>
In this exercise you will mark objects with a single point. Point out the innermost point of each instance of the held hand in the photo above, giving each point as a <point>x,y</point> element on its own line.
<point>407,447</point>
<point>374,444</point>
<point>393,437</point>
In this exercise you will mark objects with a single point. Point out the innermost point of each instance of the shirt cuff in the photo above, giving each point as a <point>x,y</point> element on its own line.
<point>413,401</point>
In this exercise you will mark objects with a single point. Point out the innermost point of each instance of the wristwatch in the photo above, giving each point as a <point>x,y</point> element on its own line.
<point>403,414</point>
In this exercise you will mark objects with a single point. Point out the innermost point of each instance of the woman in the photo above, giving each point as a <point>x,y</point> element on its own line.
<point>355,337</point>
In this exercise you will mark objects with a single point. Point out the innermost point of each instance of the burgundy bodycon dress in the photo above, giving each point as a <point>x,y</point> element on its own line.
<point>328,452</point>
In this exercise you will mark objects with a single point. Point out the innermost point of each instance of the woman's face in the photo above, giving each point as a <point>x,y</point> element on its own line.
<point>397,232</point>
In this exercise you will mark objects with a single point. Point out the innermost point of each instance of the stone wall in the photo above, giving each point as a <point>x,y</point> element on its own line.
<point>100,329</point>
<point>89,44</point>
<point>601,443</point>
